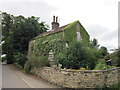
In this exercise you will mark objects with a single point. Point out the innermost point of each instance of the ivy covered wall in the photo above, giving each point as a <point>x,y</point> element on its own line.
<point>57,41</point>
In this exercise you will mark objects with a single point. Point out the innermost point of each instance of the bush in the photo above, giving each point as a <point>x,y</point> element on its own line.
<point>20,59</point>
<point>115,56</point>
<point>118,54</point>
<point>36,62</point>
<point>101,65</point>
<point>76,56</point>
<point>103,51</point>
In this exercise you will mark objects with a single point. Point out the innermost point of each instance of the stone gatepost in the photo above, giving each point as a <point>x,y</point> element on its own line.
<point>51,58</point>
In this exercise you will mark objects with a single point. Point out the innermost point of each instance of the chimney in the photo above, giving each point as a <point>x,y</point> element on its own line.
<point>53,18</point>
<point>55,24</point>
<point>56,19</point>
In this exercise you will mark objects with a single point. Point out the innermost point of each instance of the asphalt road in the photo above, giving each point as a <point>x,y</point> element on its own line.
<point>12,77</point>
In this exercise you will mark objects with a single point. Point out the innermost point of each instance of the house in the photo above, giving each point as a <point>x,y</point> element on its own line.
<point>57,39</point>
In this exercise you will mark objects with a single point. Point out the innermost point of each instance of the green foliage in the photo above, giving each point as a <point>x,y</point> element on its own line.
<point>101,65</point>
<point>56,41</point>
<point>36,62</point>
<point>70,32</point>
<point>96,52</point>
<point>84,34</point>
<point>77,56</point>
<point>43,45</point>
<point>25,30</point>
<point>107,57</point>
<point>115,57</point>
<point>103,51</point>
<point>20,59</point>
<point>118,54</point>
<point>17,31</point>
<point>94,43</point>
<point>6,36</point>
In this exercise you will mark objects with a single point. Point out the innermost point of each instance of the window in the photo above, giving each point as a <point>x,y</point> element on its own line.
<point>78,36</point>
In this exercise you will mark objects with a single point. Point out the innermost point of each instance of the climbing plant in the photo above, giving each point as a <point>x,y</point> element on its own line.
<point>56,41</point>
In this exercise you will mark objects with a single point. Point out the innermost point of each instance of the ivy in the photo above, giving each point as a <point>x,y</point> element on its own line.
<point>85,35</point>
<point>56,41</point>
<point>70,32</point>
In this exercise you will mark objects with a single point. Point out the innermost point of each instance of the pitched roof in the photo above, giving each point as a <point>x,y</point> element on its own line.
<point>60,29</point>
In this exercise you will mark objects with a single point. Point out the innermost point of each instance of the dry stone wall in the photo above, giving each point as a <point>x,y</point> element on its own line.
<point>79,79</point>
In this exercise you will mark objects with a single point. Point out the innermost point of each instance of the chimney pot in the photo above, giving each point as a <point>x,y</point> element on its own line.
<point>55,24</point>
<point>57,19</point>
<point>53,18</point>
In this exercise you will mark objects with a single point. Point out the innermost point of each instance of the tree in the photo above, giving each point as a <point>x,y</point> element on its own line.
<point>115,57</point>
<point>17,32</point>
<point>26,29</point>
<point>6,37</point>
<point>103,51</point>
<point>94,43</point>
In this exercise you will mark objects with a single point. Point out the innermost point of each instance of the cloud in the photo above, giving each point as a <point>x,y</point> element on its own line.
<point>99,17</point>
<point>105,36</point>
<point>39,9</point>
<point>110,39</point>
<point>110,44</point>
<point>96,30</point>
<point>110,35</point>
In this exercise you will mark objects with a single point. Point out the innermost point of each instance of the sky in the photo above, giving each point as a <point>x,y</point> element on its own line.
<point>99,17</point>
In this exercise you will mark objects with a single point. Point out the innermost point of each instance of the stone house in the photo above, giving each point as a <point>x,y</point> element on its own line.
<point>57,39</point>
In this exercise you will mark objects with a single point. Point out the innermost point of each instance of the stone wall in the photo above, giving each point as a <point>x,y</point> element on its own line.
<point>79,79</point>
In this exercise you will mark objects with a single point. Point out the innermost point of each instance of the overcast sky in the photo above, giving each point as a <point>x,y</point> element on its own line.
<point>99,17</point>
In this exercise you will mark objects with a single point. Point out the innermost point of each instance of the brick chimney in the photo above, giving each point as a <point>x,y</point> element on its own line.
<point>55,24</point>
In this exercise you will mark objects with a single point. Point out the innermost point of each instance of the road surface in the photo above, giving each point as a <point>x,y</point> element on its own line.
<point>12,77</point>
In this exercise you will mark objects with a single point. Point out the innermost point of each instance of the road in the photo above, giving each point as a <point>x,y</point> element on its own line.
<point>13,77</point>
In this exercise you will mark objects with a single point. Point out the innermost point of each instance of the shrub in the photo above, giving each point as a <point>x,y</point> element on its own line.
<point>76,56</point>
<point>118,54</point>
<point>102,66</point>
<point>20,59</point>
<point>36,62</point>
<point>103,51</point>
